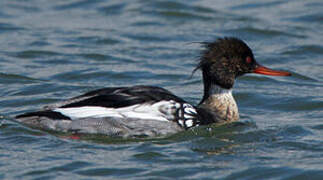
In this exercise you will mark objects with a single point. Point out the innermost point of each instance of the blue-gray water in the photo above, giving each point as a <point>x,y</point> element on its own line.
<point>53,50</point>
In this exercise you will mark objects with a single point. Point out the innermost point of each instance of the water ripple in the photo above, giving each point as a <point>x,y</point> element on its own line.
<point>15,78</point>
<point>265,33</point>
<point>113,9</point>
<point>256,5</point>
<point>114,172</point>
<point>6,27</point>
<point>304,50</point>
<point>77,4</point>
<point>35,54</point>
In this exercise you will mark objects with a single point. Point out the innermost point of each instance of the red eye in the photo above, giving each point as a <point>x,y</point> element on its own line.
<point>248,60</point>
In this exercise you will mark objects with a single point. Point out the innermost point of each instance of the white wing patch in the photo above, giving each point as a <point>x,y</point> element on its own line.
<point>161,111</point>
<point>88,111</point>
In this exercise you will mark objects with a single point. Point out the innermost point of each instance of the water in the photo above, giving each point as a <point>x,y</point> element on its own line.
<point>53,50</point>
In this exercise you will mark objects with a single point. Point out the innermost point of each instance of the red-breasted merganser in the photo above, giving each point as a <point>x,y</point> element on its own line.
<point>152,111</point>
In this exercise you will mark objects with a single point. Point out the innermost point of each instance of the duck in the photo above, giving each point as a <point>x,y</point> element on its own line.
<point>141,110</point>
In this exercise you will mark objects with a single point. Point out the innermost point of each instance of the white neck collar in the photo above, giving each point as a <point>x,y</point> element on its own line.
<point>217,90</point>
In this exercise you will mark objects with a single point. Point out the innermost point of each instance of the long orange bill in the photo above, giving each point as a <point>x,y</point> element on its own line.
<point>270,72</point>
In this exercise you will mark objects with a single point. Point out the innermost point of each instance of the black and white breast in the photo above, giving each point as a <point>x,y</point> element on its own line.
<point>121,111</point>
